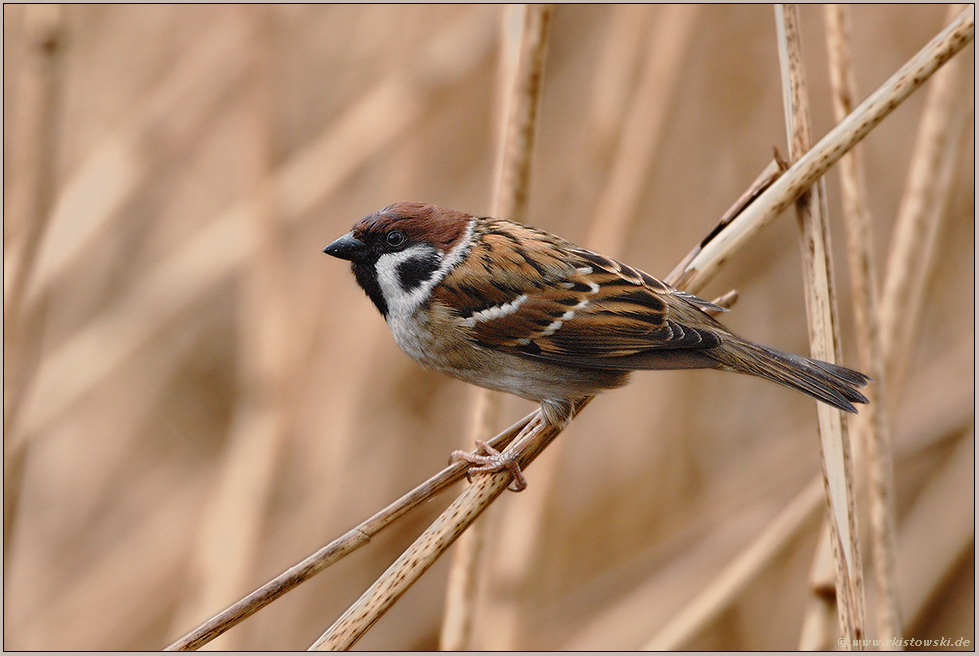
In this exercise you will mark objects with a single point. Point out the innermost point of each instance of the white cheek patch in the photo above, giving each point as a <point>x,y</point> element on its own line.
<point>390,281</point>
<point>495,312</point>
<point>403,303</point>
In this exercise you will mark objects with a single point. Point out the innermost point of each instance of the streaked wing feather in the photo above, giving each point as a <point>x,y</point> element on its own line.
<point>577,307</point>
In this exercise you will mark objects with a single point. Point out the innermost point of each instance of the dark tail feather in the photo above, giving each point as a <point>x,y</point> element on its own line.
<point>826,382</point>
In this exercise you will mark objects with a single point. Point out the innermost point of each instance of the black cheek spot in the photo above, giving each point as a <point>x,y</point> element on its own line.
<point>415,271</point>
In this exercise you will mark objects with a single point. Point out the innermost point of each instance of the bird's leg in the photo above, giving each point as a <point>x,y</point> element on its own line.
<point>555,413</point>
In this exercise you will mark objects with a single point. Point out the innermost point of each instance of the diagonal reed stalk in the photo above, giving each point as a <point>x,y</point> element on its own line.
<point>433,542</point>
<point>336,550</point>
<point>783,192</point>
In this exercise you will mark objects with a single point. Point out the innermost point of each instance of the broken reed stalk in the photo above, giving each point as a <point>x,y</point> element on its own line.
<point>872,426</point>
<point>824,332</point>
<point>708,261</point>
<point>511,197</point>
<point>681,274</point>
<point>803,173</point>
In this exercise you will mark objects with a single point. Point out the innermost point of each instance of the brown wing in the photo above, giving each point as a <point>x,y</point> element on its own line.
<point>568,305</point>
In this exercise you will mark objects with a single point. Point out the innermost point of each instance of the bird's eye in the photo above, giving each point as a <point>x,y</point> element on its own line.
<point>396,239</point>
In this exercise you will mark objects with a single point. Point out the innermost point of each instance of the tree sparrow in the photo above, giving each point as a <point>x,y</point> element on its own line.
<point>511,308</point>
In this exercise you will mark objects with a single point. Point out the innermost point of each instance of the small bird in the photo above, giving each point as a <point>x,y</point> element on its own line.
<point>515,309</point>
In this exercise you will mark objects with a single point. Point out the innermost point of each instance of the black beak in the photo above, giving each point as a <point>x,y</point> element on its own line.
<point>347,247</point>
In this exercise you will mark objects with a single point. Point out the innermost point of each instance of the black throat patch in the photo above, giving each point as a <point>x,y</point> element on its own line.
<point>367,279</point>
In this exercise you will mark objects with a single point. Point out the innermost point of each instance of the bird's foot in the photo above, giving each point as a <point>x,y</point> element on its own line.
<point>492,463</point>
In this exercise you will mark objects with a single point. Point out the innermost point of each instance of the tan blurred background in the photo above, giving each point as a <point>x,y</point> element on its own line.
<point>196,398</point>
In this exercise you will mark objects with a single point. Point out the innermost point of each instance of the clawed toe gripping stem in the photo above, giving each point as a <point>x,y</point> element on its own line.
<point>492,463</point>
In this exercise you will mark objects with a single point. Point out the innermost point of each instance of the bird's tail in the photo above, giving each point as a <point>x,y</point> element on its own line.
<point>829,383</point>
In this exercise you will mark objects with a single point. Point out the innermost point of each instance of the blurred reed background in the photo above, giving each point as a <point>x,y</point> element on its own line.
<point>195,398</point>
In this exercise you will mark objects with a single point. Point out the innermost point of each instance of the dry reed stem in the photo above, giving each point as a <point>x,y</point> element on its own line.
<point>512,192</point>
<point>824,332</point>
<point>872,425</point>
<point>928,186</point>
<point>513,185</point>
<point>834,145</point>
<point>27,202</point>
<point>468,560</point>
<point>462,588</point>
<point>337,549</point>
<point>920,215</point>
<point>433,542</point>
